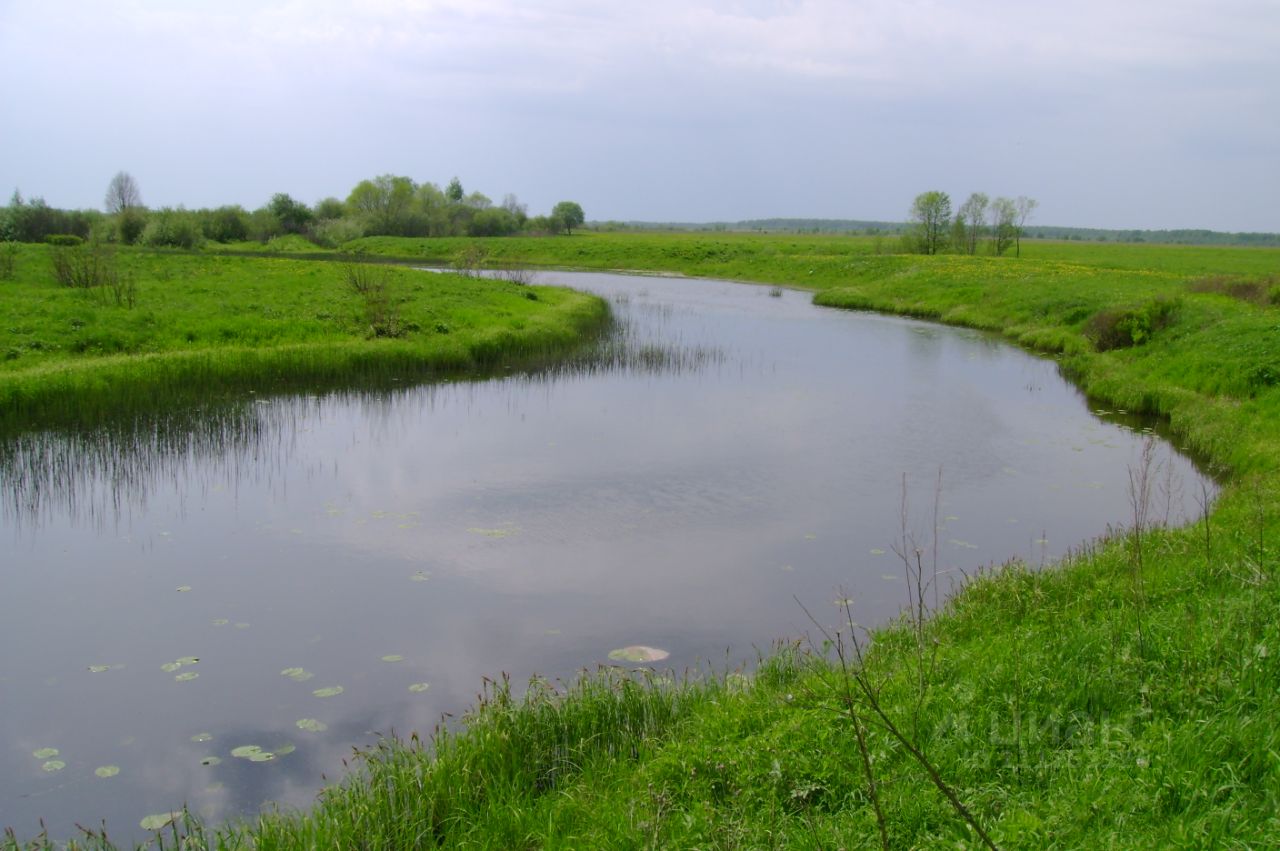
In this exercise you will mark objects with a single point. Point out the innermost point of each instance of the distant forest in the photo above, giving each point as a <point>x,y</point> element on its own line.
<point>873,228</point>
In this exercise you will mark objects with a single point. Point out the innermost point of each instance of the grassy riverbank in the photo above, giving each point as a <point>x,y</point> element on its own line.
<point>179,327</point>
<point>1123,698</point>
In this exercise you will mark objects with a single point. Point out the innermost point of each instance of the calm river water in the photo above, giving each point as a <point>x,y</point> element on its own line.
<point>182,590</point>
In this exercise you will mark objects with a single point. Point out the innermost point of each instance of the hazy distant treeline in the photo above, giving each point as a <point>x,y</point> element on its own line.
<point>387,205</point>
<point>879,228</point>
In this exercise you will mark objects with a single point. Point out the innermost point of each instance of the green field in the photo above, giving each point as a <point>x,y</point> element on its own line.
<point>207,324</point>
<point>1124,698</point>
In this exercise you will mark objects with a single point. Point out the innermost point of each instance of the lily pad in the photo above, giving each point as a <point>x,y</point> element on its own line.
<point>54,765</point>
<point>261,756</point>
<point>211,760</point>
<point>418,688</point>
<point>202,737</point>
<point>219,621</point>
<point>45,753</point>
<point>638,653</point>
<point>284,750</point>
<point>187,660</point>
<point>393,657</point>
<point>183,588</point>
<point>159,821</point>
<point>245,751</point>
<point>107,770</point>
<point>502,532</point>
<point>170,667</point>
<point>876,551</point>
<point>420,576</point>
<point>300,675</point>
<point>185,677</point>
<point>331,691</point>
<point>98,669</point>
<point>241,625</point>
<point>311,725</point>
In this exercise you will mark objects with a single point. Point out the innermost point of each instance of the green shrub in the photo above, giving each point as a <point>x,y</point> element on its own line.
<point>1122,328</point>
<point>63,239</point>
<point>169,228</point>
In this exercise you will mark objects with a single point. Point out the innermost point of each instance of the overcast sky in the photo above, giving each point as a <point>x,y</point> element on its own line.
<point>1112,113</point>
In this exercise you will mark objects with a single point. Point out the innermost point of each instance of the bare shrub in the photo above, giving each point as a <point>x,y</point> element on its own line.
<point>520,277</point>
<point>470,260</point>
<point>8,260</point>
<point>372,283</point>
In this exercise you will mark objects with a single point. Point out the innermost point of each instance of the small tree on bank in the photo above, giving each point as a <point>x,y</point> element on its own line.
<point>930,220</point>
<point>1004,228</point>
<point>1023,208</point>
<point>570,214</point>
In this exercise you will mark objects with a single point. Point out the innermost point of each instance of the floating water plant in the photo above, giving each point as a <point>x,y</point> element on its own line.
<point>202,737</point>
<point>186,677</point>
<point>300,675</point>
<point>220,621</point>
<point>418,688</point>
<point>311,725</point>
<point>211,760</point>
<point>502,532</point>
<point>393,657</point>
<point>105,771</point>
<point>54,765</point>
<point>245,751</point>
<point>45,753</point>
<point>638,653</point>
<point>159,821</point>
<point>183,588</point>
<point>98,669</point>
<point>170,667</point>
<point>284,750</point>
<point>420,576</point>
<point>331,691</point>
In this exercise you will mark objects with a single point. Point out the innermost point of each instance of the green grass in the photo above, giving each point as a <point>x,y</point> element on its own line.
<point>205,324</point>
<point>1124,698</point>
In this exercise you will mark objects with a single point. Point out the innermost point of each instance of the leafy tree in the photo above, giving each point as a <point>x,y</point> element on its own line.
<point>385,201</point>
<point>454,191</point>
<point>330,208</point>
<point>293,216</point>
<point>570,215</point>
<point>972,217</point>
<point>930,219</point>
<point>519,211</point>
<point>1004,227</point>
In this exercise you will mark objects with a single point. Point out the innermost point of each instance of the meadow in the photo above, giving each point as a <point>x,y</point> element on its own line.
<point>181,327</point>
<point>1123,697</point>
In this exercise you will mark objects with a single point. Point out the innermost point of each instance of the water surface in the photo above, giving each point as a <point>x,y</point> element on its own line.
<point>731,451</point>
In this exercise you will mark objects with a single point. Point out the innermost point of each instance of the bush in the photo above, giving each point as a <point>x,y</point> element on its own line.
<point>226,224</point>
<point>1120,329</point>
<point>172,229</point>
<point>332,233</point>
<point>63,239</point>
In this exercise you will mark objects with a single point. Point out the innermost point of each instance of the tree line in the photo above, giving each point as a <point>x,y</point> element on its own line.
<point>386,205</point>
<point>980,223</point>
